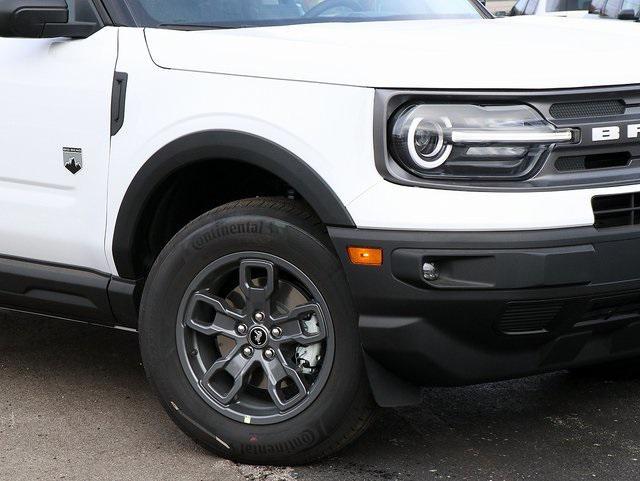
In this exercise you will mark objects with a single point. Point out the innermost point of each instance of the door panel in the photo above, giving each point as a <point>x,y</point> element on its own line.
<point>55,95</point>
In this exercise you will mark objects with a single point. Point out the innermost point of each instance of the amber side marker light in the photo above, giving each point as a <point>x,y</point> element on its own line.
<point>365,256</point>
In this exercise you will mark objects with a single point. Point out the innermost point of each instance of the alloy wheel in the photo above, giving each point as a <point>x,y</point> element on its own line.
<point>255,338</point>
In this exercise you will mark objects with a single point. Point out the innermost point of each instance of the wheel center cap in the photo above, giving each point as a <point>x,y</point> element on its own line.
<point>258,337</point>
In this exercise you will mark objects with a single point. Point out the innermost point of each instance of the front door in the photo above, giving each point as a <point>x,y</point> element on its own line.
<point>55,101</point>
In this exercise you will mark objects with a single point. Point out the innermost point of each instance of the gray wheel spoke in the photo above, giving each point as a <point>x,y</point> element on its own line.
<point>257,297</point>
<point>277,371</point>
<point>212,329</point>
<point>303,325</point>
<point>298,313</point>
<point>237,366</point>
<point>217,303</point>
<point>222,321</point>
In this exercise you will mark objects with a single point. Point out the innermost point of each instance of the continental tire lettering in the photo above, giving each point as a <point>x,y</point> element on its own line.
<point>224,230</point>
<point>295,444</point>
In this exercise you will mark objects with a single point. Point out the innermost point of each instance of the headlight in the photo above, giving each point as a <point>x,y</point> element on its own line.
<point>471,141</point>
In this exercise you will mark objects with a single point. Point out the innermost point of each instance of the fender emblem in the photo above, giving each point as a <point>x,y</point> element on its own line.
<point>72,159</point>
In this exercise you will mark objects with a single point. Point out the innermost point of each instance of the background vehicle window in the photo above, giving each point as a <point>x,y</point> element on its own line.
<point>568,5</point>
<point>596,6</point>
<point>531,7</point>
<point>631,5</point>
<point>519,8</point>
<point>247,13</point>
<point>556,5</point>
<point>612,8</point>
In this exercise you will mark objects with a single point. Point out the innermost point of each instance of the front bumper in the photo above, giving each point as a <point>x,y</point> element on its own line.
<point>507,304</point>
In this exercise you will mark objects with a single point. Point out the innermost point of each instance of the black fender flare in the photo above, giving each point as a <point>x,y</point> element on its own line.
<point>218,145</point>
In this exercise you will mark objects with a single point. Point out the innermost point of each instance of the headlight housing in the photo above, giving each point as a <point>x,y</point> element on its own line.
<point>472,142</point>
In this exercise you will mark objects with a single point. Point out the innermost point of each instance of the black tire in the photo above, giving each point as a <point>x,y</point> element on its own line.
<point>344,406</point>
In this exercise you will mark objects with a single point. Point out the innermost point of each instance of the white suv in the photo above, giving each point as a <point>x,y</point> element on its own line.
<point>309,209</point>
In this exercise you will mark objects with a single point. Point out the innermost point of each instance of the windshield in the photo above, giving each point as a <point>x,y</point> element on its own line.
<point>247,13</point>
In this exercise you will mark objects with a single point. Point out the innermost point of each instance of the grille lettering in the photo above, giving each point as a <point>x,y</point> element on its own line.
<point>600,134</point>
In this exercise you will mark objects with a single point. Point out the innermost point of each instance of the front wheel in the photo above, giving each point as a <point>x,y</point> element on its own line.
<point>249,336</point>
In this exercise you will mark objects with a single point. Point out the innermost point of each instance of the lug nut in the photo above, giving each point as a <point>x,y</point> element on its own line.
<point>242,329</point>
<point>247,351</point>
<point>258,316</point>
<point>269,353</point>
<point>276,332</point>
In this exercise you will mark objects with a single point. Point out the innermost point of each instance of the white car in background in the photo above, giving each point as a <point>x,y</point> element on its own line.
<point>558,8</point>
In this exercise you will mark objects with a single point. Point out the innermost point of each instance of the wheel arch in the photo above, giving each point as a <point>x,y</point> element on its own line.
<point>220,146</point>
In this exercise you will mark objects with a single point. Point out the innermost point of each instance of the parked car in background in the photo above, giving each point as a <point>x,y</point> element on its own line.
<point>616,9</point>
<point>551,7</point>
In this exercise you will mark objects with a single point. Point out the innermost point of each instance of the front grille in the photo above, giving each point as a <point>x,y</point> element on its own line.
<point>585,110</point>
<point>616,210</point>
<point>607,310</point>
<point>529,317</point>
<point>566,315</point>
<point>579,163</point>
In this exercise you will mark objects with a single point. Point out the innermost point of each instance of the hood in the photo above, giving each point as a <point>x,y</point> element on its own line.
<point>513,53</point>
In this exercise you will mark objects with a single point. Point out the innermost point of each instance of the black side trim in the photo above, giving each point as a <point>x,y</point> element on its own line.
<point>118,101</point>
<point>54,290</point>
<point>66,292</point>
<point>124,297</point>
<point>217,145</point>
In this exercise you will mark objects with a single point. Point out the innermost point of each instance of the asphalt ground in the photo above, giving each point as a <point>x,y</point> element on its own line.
<point>74,405</point>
